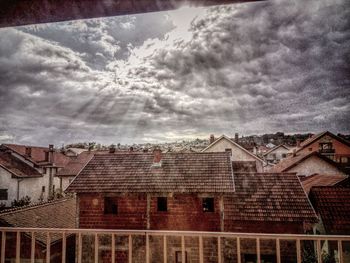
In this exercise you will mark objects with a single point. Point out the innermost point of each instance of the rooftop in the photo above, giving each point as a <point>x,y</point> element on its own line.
<point>333,205</point>
<point>269,197</point>
<point>178,172</point>
<point>16,167</point>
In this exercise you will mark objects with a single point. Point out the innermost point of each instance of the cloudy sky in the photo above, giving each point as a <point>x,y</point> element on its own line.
<point>261,67</point>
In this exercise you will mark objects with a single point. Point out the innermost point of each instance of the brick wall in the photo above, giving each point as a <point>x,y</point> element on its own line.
<point>184,213</point>
<point>131,212</point>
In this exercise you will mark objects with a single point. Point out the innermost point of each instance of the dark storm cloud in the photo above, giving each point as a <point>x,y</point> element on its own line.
<point>251,68</point>
<point>272,65</point>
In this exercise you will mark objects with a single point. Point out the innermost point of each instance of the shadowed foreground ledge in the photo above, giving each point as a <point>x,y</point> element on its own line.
<point>24,12</point>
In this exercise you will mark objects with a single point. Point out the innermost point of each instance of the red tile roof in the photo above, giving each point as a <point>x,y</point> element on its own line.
<point>321,180</point>
<point>134,172</point>
<point>333,205</point>
<point>41,216</point>
<point>268,197</point>
<point>16,167</point>
<point>38,154</point>
<point>75,164</point>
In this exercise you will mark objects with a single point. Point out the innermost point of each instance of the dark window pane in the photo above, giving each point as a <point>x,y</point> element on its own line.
<point>208,204</point>
<point>162,204</point>
<point>111,206</point>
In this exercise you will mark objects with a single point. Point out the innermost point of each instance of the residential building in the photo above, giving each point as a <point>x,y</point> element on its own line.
<point>330,145</point>
<point>308,163</point>
<point>276,154</point>
<point>239,153</point>
<point>45,161</point>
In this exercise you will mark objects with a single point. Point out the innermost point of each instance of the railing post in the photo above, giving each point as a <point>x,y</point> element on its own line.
<point>18,247</point>
<point>183,251</point>
<point>64,247</point>
<point>3,244</point>
<point>32,250</point>
<point>238,250</point>
<point>96,248</point>
<point>319,254</point>
<point>340,251</point>
<point>201,249</point>
<point>165,258</point>
<point>130,249</point>
<point>298,251</point>
<point>80,241</point>
<point>147,248</point>
<point>278,250</point>
<point>48,247</point>
<point>258,257</point>
<point>219,249</point>
<point>113,248</point>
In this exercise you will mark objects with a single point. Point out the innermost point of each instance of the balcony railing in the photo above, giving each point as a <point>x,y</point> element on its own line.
<point>326,150</point>
<point>92,245</point>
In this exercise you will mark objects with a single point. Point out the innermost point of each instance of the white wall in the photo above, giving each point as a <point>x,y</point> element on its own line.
<point>314,165</point>
<point>237,153</point>
<point>6,182</point>
<point>278,152</point>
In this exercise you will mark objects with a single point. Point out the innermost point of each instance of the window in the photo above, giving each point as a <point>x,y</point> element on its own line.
<point>208,204</point>
<point>229,150</point>
<point>178,257</point>
<point>284,155</point>
<point>111,206</point>
<point>162,204</point>
<point>43,188</point>
<point>3,194</point>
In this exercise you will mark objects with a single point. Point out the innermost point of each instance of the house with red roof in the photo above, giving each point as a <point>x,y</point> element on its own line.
<point>307,164</point>
<point>329,145</point>
<point>29,171</point>
<point>187,191</point>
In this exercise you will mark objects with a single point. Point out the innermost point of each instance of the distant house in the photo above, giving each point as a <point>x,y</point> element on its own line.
<point>16,179</point>
<point>306,164</point>
<point>276,154</point>
<point>54,214</point>
<point>45,161</point>
<point>72,168</point>
<point>239,153</point>
<point>329,145</point>
<point>73,152</point>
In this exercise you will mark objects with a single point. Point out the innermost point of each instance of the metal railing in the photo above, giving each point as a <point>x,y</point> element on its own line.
<point>18,234</point>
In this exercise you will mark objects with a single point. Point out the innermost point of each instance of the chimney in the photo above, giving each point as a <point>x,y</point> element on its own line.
<point>236,137</point>
<point>157,157</point>
<point>112,149</point>
<point>211,139</point>
<point>28,151</point>
<point>131,149</point>
<point>298,143</point>
<point>51,151</point>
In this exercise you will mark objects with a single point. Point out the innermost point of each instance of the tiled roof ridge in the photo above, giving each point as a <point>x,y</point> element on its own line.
<point>308,141</point>
<point>35,205</point>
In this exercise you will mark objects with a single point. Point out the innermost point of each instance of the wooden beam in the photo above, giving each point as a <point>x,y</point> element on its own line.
<point>24,12</point>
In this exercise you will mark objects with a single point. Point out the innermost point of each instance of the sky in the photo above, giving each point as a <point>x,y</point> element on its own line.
<point>251,68</point>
